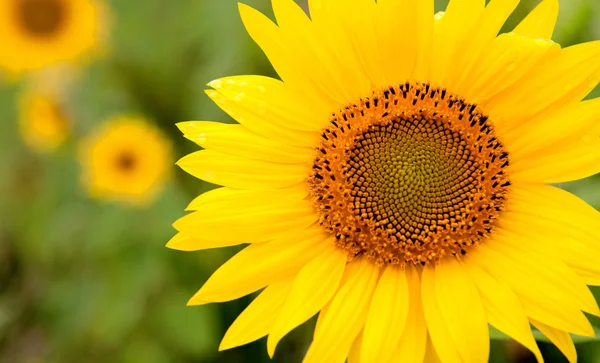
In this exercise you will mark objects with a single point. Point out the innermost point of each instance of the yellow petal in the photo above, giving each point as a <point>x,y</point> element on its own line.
<point>517,245</point>
<point>439,332</point>
<point>563,225</point>
<point>260,99</point>
<point>259,264</point>
<point>240,172</point>
<point>540,290</point>
<point>257,319</point>
<point>556,206</point>
<point>354,355</point>
<point>322,55</point>
<point>509,58</point>
<point>452,29</point>
<point>395,22</point>
<point>301,55</point>
<point>313,287</point>
<point>184,242</point>
<point>560,338</point>
<point>356,32</point>
<point>540,22</point>
<point>272,131</point>
<point>345,315</point>
<point>239,141</point>
<point>268,37</point>
<point>430,354</point>
<point>229,198</point>
<point>322,314</point>
<point>412,345</point>
<point>387,316</point>
<point>562,131</point>
<point>580,160</point>
<point>250,220</point>
<point>462,310</point>
<point>502,307</point>
<point>329,22</point>
<point>423,34</point>
<point>485,30</point>
<point>212,197</point>
<point>565,78</point>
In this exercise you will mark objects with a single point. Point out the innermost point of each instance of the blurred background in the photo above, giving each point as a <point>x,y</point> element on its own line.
<point>84,274</point>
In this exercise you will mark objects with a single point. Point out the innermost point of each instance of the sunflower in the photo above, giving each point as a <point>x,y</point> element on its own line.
<point>397,181</point>
<point>37,33</point>
<point>127,160</point>
<point>43,121</point>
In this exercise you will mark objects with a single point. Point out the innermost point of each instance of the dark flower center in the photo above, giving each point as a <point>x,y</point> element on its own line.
<point>410,174</point>
<point>126,162</point>
<point>41,18</point>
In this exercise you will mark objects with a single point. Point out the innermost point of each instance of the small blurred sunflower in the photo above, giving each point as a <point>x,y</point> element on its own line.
<point>43,122</point>
<point>38,33</point>
<point>398,181</point>
<point>127,160</point>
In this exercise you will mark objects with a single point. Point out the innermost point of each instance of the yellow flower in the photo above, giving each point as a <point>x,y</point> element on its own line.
<point>43,122</point>
<point>37,33</point>
<point>397,181</point>
<point>127,160</point>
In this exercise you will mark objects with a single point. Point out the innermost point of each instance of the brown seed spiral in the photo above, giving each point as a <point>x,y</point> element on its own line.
<point>409,174</point>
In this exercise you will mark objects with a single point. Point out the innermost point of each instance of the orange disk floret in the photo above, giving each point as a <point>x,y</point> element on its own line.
<point>411,174</point>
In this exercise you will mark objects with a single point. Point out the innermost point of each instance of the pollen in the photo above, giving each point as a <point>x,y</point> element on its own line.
<point>410,174</point>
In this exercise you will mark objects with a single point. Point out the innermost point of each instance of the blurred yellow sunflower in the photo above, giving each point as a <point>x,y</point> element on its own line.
<point>37,33</point>
<point>127,160</point>
<point>397,181</point>
<point>43,122</point>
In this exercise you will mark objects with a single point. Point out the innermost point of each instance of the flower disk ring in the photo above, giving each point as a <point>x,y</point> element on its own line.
<point>410,174</point>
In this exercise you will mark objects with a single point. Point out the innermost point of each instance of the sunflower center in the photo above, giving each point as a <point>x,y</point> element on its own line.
<point>41,17</point>
<point>409,174</point>
<point>126,162</point>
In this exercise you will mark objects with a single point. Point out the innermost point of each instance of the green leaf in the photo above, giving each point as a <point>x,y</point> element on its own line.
<point>496,334</point>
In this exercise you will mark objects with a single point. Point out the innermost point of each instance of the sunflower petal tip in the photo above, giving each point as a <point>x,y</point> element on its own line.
<point>225,344</point>
<point>175,226</point>
<point>175,244</point>
<point>215,84</point>
<point>243,7</point>
<point>181,162</point>
<point>196,300</point>
<point>595,311</point>
<point>589,331</point>
<point>271,345</point>
<point>184,125</point>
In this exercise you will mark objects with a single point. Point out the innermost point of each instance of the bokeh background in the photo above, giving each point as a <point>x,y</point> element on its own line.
<point>89,280</point>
